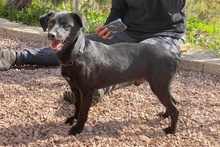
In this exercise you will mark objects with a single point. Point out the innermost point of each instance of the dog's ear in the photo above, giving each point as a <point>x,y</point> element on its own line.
<point>44,20</point>
<point>82,20</point>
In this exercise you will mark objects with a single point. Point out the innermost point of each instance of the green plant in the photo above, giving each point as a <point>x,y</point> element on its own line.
<point>202,35</point>
<point>93,14</point>
<point>30,15</point>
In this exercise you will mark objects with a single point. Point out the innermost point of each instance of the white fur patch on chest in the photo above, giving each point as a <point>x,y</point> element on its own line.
<point>67,78</point>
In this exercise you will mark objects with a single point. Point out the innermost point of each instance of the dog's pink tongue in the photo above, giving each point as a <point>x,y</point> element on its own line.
<point>56,44</point>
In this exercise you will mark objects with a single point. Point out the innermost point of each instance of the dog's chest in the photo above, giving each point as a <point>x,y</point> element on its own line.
<point>68,74</point>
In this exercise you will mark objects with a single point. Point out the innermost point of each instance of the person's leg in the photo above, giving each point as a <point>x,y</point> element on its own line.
<point>171,44</point>
<point>40,56</point>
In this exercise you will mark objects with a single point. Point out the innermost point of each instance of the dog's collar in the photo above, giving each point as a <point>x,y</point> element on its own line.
<point>71,62</point>
<point>79,45</point>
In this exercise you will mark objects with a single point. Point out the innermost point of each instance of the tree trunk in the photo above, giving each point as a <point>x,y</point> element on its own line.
<point>17,4</point>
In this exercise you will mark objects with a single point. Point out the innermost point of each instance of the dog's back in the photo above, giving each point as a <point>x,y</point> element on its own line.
<point>125,62</point>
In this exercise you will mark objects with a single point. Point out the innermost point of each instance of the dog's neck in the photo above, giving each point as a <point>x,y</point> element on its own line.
<point>68,55</point>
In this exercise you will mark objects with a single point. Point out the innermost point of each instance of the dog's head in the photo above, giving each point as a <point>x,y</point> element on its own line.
<point>63,27</point>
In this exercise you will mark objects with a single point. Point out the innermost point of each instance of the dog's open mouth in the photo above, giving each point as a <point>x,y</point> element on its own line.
<point>56,45</point>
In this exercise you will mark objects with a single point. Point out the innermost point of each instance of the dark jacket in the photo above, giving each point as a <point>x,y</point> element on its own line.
<point>149,18</point>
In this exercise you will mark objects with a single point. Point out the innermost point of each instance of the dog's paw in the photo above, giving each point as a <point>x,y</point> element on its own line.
<point>169,130</point>
<point>70,120</point>
<point>75,130</point>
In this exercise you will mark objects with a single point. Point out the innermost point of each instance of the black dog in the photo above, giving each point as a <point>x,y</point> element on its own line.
<point>88,65</point>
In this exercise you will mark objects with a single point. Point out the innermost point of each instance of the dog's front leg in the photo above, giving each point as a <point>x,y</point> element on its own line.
<point>85,104</point>
<point>77,103</point>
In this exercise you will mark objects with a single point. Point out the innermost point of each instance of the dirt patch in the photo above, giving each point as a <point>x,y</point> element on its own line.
<point>32,111</point>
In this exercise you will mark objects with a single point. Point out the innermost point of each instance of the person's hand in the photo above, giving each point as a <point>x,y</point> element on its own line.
<point>103,32</point>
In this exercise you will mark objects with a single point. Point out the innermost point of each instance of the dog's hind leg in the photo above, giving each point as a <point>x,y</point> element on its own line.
<point>162,91</point>
<point>166,113</point>
<point>85,104</point>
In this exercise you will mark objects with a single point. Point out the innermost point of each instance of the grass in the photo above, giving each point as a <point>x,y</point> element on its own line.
<point>199,34</point>
<point>202,35</point>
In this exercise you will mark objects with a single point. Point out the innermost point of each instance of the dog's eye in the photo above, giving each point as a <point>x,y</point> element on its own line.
<point>50,23</point>
<point>65,24</point>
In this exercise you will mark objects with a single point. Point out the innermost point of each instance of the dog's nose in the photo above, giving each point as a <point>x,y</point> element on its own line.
<point>51,35</point>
